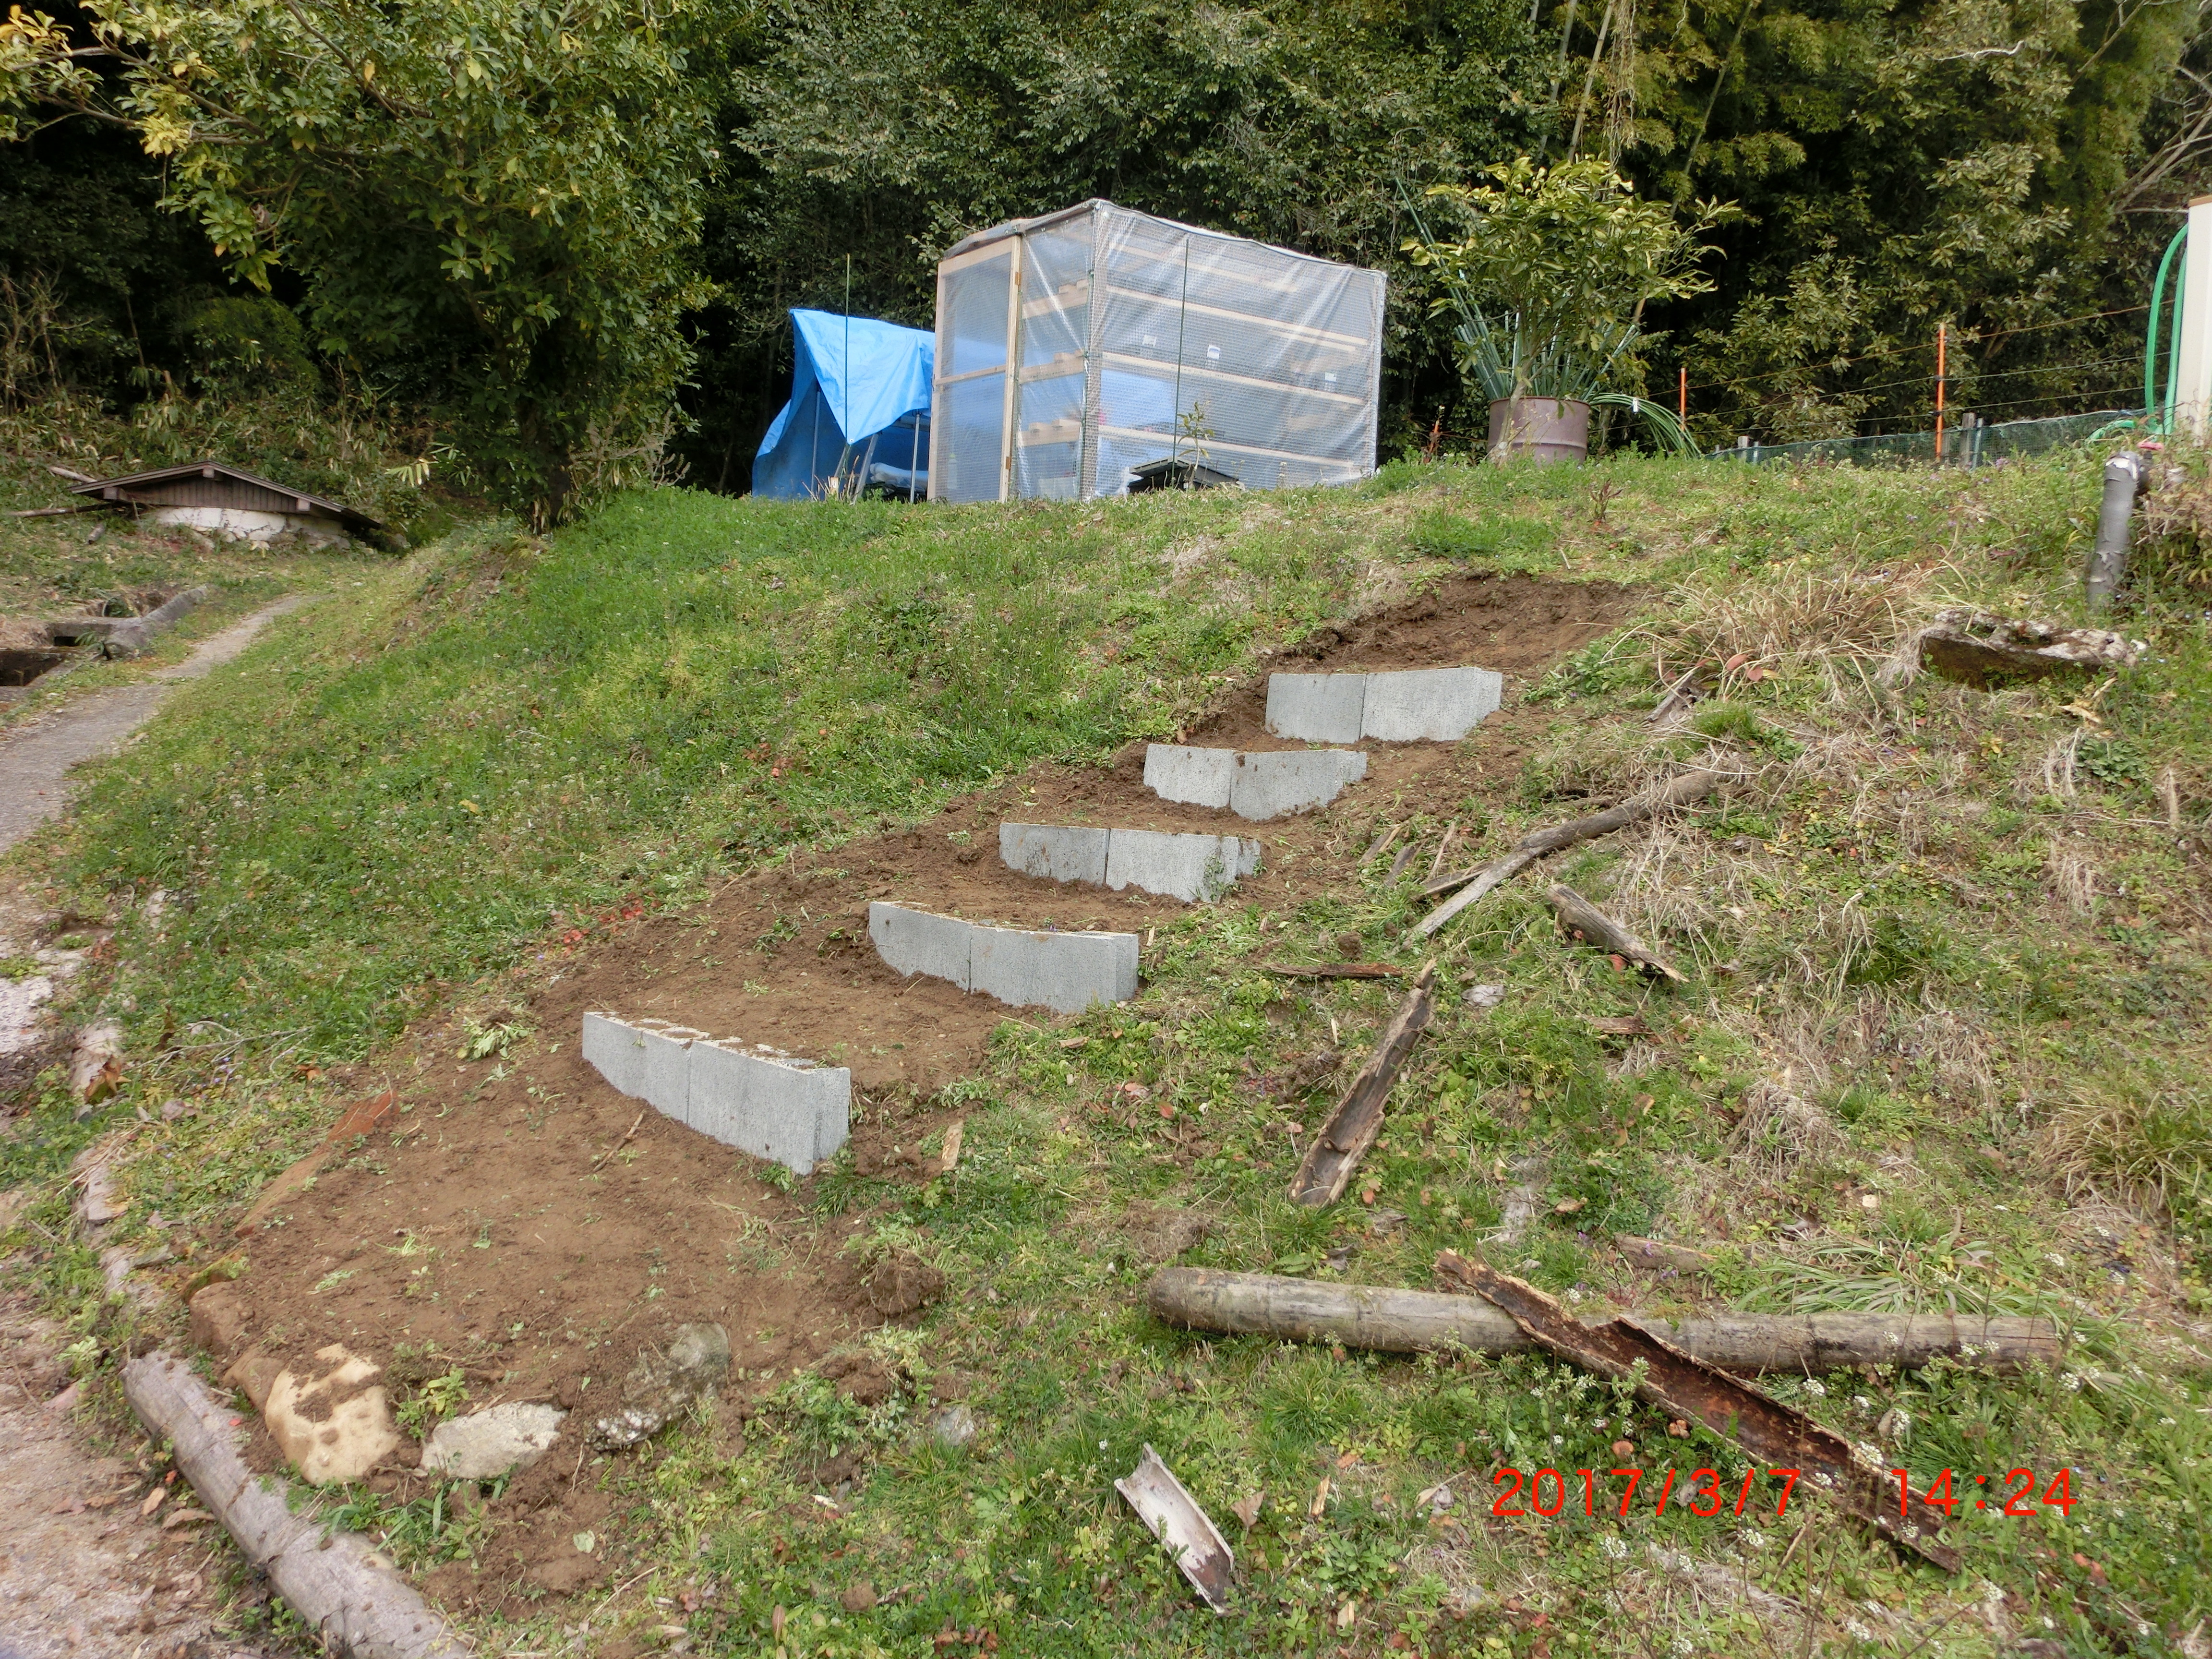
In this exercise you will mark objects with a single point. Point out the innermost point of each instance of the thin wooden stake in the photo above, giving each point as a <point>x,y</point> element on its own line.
<point>1351,1127</point>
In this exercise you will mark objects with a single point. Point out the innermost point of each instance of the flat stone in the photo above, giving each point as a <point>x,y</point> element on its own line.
<point>1196,869</point>
<point>917,942</point>
<point>335,1425</point>
<point>486,1444</point>
<point>1065,972</point>
<point>771,1105</point>
<point>1431,705</point>
<point>954,1428</point>
<point>1316,707</point>
<point>1266,786</point>
<point>1054,852</point>
<point>1196,777</point>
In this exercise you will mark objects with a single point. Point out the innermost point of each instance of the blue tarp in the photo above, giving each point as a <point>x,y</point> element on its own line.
<point>853,380</point>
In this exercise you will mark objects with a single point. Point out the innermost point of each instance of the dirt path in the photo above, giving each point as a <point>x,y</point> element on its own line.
<point>35,762</point>
<point>82,1572</point>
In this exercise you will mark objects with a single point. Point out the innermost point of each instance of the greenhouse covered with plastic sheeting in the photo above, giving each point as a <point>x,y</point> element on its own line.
<point>1147,354</point>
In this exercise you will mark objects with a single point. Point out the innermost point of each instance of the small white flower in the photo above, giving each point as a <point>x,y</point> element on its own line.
<point>1615,1548</point>
<point>1861,1402</point>
<point>2073,1379</point>
<point>2054,1258</point>
<point>1814,1387</point>
<point>1856,1630</point>
<point>1755,1538</point>
<point>2048,1623</point>
<point>1683,1644</point>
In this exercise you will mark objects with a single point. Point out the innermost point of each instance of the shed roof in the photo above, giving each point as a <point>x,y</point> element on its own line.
<point>133,487</point>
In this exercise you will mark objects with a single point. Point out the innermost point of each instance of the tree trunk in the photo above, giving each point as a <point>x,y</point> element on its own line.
<point>335,1581</point>
<point>1413,1322</point>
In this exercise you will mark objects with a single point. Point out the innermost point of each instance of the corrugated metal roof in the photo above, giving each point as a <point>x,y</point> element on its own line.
<point>137,487</point>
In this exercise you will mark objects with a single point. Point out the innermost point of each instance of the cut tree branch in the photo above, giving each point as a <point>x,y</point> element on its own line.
<point>1390,1320</point>
<point>1357,1119</point>
<point>1477,883</point>
<point>1684,1386</point>
<point>1582,920</point>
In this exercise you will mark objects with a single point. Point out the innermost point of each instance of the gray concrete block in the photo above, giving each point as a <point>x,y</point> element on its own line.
<point>1054,852</point>
<point>1266,786</point>
<point>667,1071</point>
<point>1065,972</point>
<point>1316,707</point>
<point>767,1103</point>
<point>617,1049</point>
<point>1434,705</point>
<point>1193,868</point>
<point>916,942</point>
<point>1196,777</point>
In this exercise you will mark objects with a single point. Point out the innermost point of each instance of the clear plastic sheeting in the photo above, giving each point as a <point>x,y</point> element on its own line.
<point>1135,341</point>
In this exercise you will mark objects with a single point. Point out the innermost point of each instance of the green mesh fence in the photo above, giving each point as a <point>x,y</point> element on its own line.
<point>1969,446</point>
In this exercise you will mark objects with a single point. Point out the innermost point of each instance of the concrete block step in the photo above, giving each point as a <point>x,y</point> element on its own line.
<point>751,1096</point>
<point>1065,972</point>
<point>1258,787</point>
<point>1414,705</point>
<point>1194,868</point>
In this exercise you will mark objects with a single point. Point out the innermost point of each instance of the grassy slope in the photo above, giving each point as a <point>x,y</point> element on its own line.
<point>1966,943</point>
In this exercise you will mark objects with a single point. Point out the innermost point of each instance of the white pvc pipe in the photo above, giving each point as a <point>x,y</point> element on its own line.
<point>2192,378</point>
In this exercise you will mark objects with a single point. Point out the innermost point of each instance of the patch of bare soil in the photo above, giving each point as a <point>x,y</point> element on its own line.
<point>523,1222</point>
<point>83,1569</point>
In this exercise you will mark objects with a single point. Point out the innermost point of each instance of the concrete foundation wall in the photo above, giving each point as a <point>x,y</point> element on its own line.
<point>757,1099</point>
<point>1065,972</point>
<point>244,524</point>
<point>1419,705</point>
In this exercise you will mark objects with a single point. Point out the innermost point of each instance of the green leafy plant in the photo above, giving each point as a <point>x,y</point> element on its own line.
<point>1550,281</point>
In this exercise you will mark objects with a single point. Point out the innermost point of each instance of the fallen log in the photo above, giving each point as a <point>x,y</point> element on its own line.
<point>1415,1321</point>
<point>1582,920</point>
<point>1663,1375</point>
<point>1476,883</point>
<point>1351,1127</point>
<point>335,1581</point>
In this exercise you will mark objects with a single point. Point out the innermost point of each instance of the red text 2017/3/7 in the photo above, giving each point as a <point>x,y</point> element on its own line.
<point>1547,1491</point>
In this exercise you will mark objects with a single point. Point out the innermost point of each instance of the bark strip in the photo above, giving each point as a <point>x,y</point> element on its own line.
<point>1357,1119</point>
<point>351,1598</point>
<point>1580,918</point>
<point>1662,1374</point>
<point>1415,1321</point>
<point>1477,883</point>
<point>1332,971</point>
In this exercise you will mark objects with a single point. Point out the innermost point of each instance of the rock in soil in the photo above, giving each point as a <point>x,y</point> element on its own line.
<point>662,1386</point>
<point>953,1427</point>
<point>1979,650</point>
<point>903,1284</point>
<point>334,1427</point>
<point>486,1444</point>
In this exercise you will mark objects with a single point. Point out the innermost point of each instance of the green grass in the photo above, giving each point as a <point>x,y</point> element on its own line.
<point>1940,944</point>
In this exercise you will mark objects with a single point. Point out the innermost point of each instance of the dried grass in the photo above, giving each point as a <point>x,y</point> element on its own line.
<point>1805,622</point>
<point>1780,1130</point>
<point>2136,1140</point>
<point>2070,877</point>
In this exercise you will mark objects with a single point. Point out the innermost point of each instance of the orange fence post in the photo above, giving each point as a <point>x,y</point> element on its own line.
<point>1682,394</point>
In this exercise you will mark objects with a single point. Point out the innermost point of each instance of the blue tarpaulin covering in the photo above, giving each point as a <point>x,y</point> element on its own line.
<point>859,400</point>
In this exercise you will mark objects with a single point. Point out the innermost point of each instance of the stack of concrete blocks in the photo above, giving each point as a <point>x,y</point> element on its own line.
<point>754,1097</point>
<point>1065,972</point>
<point>1256,787</point>
<point>1196,869</point>
<point>1418,705</point>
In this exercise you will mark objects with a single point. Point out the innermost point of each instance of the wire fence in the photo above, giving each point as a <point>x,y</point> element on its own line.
<point>1972,442</point>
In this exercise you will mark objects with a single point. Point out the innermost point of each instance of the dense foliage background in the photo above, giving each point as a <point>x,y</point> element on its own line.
<point>522,224</point>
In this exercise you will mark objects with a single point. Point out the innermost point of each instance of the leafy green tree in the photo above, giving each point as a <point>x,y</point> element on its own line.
<point>490,202</point>
<point>1550,278</point>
